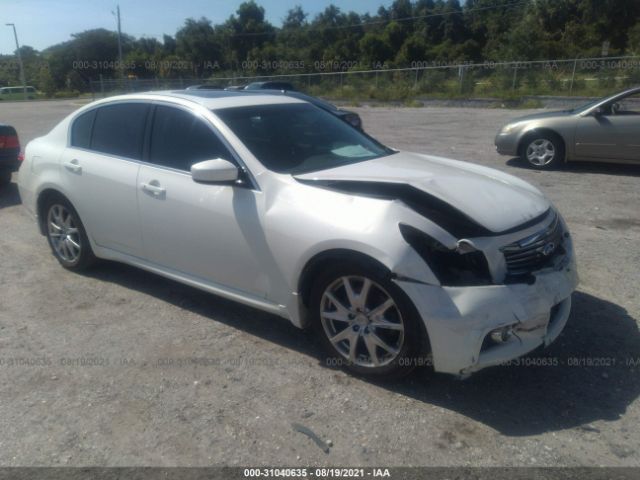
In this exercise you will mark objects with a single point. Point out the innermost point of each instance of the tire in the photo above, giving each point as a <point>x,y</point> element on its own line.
<point>66,235</point>
<point>543,151</point>
<point>5,178</point>
<point>362,335</point>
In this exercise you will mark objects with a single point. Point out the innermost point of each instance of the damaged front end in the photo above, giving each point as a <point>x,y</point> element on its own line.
<point>498,295</point>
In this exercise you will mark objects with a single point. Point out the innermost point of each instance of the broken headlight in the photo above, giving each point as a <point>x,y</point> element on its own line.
<point>452,267</point>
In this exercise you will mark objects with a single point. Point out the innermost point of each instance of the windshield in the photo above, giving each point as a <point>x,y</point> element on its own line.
<point>585,106</point>
<point>299,137</point>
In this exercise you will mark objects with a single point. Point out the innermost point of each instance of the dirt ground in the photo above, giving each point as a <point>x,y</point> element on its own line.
<point>120,367</point>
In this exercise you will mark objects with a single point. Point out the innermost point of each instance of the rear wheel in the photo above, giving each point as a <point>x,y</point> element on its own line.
<point>67,236</point>
<point>365,321</point>
<point>543,152</point>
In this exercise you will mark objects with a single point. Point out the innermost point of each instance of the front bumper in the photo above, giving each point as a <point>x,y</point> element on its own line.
<point>507,144</point>
<point>458,319</point>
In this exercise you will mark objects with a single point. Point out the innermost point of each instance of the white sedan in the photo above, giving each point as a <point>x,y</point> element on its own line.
<point>396,258</point>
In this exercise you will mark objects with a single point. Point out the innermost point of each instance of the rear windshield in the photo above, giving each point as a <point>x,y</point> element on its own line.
<point>7,130</point>
<point>299,137</point>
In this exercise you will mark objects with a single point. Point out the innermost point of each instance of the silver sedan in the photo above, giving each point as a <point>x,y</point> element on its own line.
<point>605,130</point>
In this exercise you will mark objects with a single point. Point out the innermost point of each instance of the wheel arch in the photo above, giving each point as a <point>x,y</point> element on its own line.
<point>321,260</point>
<point>529,134</point>
<point>45,196</point>
<point>339,255</point>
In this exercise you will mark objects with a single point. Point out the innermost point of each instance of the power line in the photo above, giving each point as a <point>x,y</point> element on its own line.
<point>432,15</point>
<point>379,22</point>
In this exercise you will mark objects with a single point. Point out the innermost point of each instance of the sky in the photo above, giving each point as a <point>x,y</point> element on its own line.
<point>42,23</point>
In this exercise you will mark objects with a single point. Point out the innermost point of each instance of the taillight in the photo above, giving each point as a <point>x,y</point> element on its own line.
<point>21,157</point>
<point>9,141</point>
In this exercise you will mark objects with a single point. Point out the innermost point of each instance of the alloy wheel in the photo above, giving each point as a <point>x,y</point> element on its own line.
<point>541,152</point>
<point>64,234</point>
<point>362,321</point>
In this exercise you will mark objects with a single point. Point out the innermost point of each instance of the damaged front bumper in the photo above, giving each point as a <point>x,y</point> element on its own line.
<point>459,320</point>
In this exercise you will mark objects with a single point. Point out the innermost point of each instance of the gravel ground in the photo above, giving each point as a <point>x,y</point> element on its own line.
<point>119,367</point>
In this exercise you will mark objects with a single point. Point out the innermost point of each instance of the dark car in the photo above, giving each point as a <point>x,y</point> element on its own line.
<point>348,116</point>
<point>9,153</point>
<point>271,86</point>
<point>205,86</point>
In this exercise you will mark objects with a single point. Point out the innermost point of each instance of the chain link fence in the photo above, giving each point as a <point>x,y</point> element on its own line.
<point>585,77</point>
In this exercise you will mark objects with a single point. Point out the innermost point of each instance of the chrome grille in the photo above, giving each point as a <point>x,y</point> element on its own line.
<point>535,251</point>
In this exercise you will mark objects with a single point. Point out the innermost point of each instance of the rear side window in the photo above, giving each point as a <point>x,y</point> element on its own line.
<point>179,139</point>
<point>81,130</point>
<point>119,129</point>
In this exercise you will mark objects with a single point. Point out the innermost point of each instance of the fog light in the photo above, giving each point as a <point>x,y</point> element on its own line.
<point>501,335</point>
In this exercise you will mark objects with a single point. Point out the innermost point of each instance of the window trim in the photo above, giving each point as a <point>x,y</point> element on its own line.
<point>93,121</point>
<point>144,129</point>
<point>250,181</point>
<point>96,107</point>
<point>236,159</point>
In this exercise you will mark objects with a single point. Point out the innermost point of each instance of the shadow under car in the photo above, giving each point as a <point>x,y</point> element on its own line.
<point>590,373</point>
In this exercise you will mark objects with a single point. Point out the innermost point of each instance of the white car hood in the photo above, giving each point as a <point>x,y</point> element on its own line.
<point>493,199</point>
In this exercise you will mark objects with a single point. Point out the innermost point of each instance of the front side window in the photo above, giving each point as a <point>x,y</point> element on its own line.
<point>81,130</point>
<point>298,137</point>
<point>628,105</point>
<point>179,139</point>
<point>119,129</point>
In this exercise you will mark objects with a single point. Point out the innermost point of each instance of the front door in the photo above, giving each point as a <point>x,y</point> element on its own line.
<point>614,134</point>
<point>206,231</point>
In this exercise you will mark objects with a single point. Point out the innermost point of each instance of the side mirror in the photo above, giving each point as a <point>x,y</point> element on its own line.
<point>214,171</point>
<point>598,112</point>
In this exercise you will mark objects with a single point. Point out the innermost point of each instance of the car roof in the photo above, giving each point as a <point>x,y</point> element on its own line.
<point>303,96</point>
<point>211,99</point>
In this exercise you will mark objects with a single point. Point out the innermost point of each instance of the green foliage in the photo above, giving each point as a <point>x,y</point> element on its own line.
<point>403,34</point>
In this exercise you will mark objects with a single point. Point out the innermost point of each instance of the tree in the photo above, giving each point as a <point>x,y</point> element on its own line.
<point>196,42</point>
<point>248,30</point>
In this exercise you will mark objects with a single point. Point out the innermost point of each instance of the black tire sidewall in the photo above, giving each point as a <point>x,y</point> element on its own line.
<point>415,342</point>
<point>87,258</point>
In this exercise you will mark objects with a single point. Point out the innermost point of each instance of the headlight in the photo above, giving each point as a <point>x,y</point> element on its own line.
<point>452,267</point>
<point>511,127</point>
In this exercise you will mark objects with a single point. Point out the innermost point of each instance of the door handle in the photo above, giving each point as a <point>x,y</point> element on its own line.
<point>152,188</point>
<point>73,166</point>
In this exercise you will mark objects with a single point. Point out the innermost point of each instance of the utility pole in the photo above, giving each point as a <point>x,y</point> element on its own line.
<point>22,79</point>
<point>120,64</point>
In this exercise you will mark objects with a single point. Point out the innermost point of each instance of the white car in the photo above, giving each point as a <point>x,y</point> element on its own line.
<point>397,258</point>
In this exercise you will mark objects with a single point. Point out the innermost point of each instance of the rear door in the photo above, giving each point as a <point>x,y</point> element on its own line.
<point>100,169</point>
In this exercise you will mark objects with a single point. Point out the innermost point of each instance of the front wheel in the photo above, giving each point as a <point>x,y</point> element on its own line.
<point>365,321</point>
<point>543,152</point>
<point>67,236</point>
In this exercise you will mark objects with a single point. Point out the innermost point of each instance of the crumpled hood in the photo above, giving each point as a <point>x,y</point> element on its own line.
<point>493,199</point>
